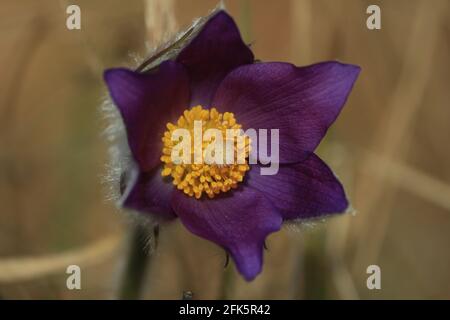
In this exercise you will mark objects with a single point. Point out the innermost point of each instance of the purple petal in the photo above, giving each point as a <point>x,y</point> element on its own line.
<point>211,55</point>
<point>301,102</point>
<point>150,193</point>
<point>239,221</point>
<point>304,190</point>
<point>147,102</point>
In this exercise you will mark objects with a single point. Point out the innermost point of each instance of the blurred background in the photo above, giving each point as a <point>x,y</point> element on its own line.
<point>390,148</point>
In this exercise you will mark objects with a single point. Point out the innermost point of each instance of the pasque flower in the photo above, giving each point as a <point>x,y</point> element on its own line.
<point>214,78</point>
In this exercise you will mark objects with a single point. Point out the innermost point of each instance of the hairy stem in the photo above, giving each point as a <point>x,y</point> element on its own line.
<point>137,261</point>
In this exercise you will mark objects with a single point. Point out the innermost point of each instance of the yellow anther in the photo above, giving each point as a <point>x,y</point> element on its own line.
<point>166,171</point>
<point>196,179</point>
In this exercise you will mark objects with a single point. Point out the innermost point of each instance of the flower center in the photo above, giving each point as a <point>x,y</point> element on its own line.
<point>215,162</point>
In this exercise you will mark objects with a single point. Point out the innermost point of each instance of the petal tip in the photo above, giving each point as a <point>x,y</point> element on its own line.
<point>221,14</point>
<point>345,207</point>
<point>249,264</point>
<point>250,276</point>
<point>110,74</point>
<point>355,69</point>
<point>351,69</point>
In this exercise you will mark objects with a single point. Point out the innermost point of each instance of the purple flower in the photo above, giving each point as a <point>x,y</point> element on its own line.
<point>217,73</point>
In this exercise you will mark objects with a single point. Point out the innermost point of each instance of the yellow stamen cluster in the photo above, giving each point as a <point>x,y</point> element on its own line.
<point>196,178</point>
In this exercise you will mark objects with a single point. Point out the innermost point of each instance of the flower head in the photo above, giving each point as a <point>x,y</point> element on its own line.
<point>214,82</point>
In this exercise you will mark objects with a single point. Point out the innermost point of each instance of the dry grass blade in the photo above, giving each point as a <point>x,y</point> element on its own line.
<point>27,268</point>
<point>411,179</point>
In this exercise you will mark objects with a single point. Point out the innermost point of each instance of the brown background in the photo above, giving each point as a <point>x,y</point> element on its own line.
<point>390,147</point>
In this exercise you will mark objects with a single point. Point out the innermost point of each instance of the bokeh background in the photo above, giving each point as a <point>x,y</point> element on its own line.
<point>390,147</point>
